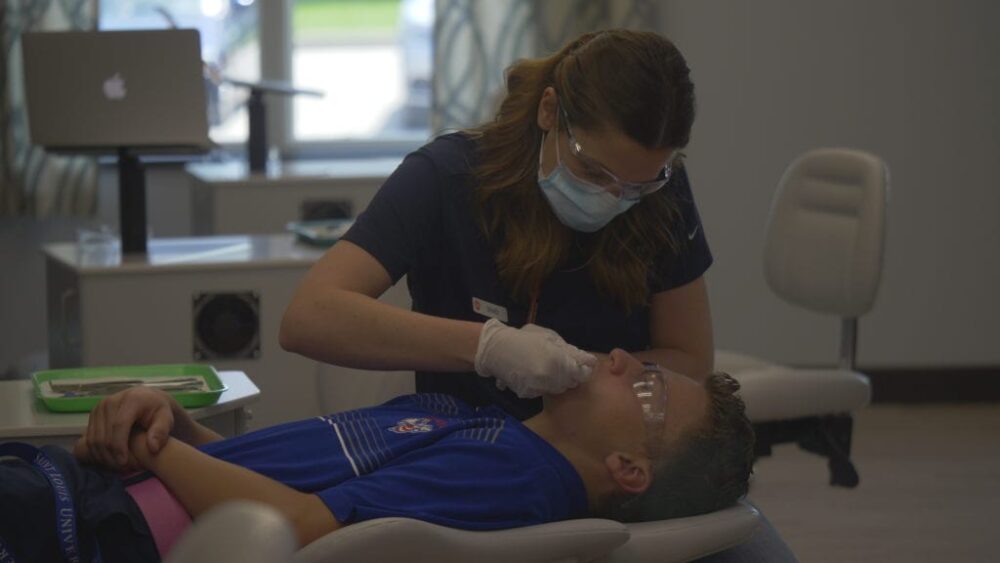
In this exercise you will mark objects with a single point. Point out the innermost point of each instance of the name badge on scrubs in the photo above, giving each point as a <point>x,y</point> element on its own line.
<point>487,309</point>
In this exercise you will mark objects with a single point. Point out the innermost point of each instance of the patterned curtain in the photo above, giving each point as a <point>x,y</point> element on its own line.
<point>474,41</point>
<point>32,182</point>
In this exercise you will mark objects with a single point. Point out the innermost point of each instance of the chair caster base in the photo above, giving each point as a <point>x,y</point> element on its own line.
<point>828,436</point>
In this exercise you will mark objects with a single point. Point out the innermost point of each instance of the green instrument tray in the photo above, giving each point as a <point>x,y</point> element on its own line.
<point>189,399</point>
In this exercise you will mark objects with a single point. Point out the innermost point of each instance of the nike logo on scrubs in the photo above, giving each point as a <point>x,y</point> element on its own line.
<point>693,233</point>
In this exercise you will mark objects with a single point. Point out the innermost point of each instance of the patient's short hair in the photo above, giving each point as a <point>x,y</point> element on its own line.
<point>711,469</point>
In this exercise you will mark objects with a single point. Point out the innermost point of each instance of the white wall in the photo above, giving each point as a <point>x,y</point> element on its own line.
<point>917,82</point>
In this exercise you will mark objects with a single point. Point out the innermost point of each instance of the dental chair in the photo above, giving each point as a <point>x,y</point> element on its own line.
<point>823,252</point>
<point>249,532</point>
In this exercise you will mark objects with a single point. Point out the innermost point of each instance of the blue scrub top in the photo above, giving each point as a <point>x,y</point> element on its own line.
<point>422,223</point>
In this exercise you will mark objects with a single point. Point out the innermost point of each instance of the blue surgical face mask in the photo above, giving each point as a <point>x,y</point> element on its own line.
<point>578,204</point>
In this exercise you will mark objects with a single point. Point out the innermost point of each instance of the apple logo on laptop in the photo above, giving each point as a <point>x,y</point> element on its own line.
<point>114,87</point>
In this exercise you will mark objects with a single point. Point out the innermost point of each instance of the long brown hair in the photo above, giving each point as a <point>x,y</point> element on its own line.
<point>634,81</point>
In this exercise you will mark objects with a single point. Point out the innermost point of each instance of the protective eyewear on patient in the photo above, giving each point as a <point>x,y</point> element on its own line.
<point>599,176</point>
<point>651,390</point>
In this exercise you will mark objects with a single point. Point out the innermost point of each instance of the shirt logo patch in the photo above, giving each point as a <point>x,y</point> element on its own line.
<point>416,425</point>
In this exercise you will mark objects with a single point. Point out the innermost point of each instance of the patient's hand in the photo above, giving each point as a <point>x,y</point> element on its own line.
<point>138,448</point>
<point>83,452</point>
<point>107,438</point>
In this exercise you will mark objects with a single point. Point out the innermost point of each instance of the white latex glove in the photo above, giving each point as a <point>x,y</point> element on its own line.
<point>530,360</point>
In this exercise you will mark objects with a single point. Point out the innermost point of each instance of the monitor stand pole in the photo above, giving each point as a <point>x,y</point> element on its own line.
<point>131,202</point>
<point>257,139</point>
<point>257,112</point>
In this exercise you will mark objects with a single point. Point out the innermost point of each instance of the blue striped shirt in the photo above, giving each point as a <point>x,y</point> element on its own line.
<point>425,456</point>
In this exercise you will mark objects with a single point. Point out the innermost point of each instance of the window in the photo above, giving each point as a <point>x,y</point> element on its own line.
<point>371,59</point>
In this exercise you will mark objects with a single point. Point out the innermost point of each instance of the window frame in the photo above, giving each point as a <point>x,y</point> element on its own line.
<point>276,47</point>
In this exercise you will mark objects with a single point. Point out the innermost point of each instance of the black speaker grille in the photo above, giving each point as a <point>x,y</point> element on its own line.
<point>227,325</point>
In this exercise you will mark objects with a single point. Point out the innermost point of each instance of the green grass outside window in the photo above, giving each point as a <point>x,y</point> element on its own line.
<point>315,17</point>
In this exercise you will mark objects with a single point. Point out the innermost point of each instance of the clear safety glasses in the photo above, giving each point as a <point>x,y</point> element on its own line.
<point>651,390</point>
<point>595,174</point>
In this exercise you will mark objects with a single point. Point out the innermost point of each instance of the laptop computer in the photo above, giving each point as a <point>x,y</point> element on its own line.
<point>96,91</point>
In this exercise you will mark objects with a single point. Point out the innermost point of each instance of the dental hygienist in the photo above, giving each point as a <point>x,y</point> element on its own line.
<point>565,225</point>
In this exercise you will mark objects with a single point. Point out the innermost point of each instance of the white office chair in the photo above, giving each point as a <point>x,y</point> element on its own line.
<point>247,532</point>
<point>823,252</point>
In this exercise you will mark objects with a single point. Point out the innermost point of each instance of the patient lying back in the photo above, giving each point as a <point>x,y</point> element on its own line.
<point>601,449</point>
